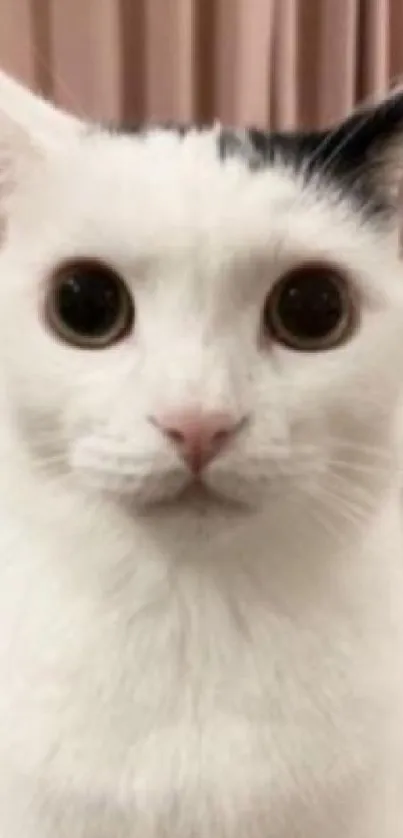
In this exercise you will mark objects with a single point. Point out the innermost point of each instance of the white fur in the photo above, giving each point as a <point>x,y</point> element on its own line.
<point>234,674</point>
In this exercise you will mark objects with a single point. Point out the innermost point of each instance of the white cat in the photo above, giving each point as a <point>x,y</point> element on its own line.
<point>201,576</point>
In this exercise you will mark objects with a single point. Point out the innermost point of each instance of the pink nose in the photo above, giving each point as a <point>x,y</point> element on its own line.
<point>198,437</point>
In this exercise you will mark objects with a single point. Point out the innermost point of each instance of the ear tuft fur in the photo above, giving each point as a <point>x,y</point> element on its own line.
<point>30,129</point>
<point>366,151</point>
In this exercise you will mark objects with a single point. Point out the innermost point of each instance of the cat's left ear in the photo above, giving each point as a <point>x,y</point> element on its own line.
<point>366,153</point>
<point>30,128</point>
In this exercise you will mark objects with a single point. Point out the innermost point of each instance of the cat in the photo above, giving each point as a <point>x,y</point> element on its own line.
<point>201,576</point>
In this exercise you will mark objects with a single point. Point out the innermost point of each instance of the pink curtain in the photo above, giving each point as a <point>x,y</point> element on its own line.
<point>276,63</point>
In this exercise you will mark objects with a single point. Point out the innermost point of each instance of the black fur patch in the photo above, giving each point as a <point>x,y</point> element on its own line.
<point>313,154</point>
<point>354,153</point>
<point>351,154</point>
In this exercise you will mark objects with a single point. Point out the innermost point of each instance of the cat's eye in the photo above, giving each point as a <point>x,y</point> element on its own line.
<point>88,305</point>
<point>310,309</point>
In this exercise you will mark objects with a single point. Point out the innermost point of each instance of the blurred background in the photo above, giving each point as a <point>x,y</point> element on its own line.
<point>272,63</point>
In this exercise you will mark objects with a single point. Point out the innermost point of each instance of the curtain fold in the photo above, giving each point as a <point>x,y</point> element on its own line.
<point>272,63</point>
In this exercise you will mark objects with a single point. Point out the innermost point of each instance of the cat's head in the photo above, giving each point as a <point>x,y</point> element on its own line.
<point>201,306</point>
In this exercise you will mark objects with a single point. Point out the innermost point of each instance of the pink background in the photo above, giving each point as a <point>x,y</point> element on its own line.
<point>274,63</point>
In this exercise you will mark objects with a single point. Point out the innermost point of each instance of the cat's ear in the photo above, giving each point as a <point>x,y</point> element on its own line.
<point>366,152</point>
<point>30,128</point>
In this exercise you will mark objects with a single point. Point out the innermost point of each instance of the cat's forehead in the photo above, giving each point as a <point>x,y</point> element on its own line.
<point>142,194</point>
<point>171,167</point>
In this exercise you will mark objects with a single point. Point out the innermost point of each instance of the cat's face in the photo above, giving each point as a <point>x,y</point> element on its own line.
<point>197,310</point>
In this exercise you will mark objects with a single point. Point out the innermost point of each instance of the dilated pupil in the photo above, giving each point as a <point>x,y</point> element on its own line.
<point>310,307</point>
<point>89,302</point>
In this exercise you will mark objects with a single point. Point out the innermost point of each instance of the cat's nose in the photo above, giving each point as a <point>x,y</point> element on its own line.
<point>198,437</point>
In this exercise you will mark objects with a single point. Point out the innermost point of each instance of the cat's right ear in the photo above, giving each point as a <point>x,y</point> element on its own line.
<point>365,154</point>
<point>30,129</point>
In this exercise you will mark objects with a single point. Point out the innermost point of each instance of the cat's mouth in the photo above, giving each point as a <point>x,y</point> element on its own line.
<point>199,498</point>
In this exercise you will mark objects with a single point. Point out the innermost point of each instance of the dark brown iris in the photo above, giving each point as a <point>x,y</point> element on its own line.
<point>88,304</point>
<point>310,308</point>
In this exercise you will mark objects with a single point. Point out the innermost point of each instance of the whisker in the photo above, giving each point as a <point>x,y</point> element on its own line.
<point>358,468</point>
<point>359,447</point>
<point>323,511</point>
<point>318,509</point>
<point>357,510</point>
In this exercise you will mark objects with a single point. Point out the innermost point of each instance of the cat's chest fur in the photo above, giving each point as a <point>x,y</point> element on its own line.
<point>200,701</point>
